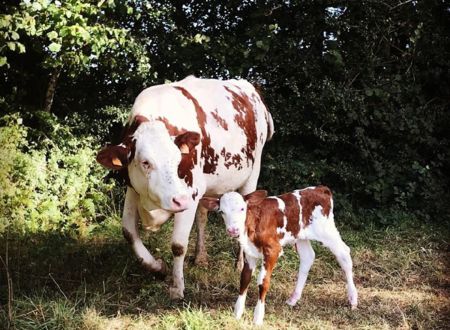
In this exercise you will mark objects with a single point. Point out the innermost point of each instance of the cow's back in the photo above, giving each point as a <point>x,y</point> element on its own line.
<point>230,116</point>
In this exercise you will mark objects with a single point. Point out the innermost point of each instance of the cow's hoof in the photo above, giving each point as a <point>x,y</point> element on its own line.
<point>159,271</point>
<point>176,293</point>
<point>201,260</point>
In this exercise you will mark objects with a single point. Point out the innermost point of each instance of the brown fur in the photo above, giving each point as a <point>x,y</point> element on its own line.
<point>177,249</point>
<point>310,198</point>
<point>208,154</point>
<point>245,118</point>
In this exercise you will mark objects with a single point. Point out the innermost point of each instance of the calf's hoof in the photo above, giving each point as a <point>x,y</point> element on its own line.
<point>291,302</point>
<point>176,293</point>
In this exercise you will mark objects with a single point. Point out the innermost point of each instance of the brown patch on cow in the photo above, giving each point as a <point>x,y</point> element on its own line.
<point>292,212</point>
<point>189,159</point>
<point>310,198</point>
<point>177,249</point>
<point>208,154</point>
<point>230,159</point>
<point>173,130</point>
<point>127,235</point>
<point>219,120</point>
<point>245,119</point>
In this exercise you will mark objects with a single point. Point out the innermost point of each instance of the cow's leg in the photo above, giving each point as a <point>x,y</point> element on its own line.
<point>180,237</point>
<point>307,255</point>
<point>269,261</point>
<point>246,276</point>
<point>201,256</point>
<point>130,232</point>
<point>332,239</point>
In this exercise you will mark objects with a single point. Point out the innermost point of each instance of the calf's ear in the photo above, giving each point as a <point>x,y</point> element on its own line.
<point>255,197</point>
<point>210,203</point>
<point>187,141</point>
<point>114,157</point>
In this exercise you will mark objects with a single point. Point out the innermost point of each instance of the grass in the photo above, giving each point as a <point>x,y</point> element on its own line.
<point>401,273</point>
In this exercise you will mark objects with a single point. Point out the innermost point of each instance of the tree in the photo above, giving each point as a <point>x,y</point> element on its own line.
<point>71,36</point>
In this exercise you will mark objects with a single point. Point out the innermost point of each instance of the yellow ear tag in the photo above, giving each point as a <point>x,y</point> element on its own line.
<point>184,149</point>
<point>116,161</point>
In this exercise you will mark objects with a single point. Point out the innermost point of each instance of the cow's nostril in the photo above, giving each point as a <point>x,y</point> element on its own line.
<point>176,202</point>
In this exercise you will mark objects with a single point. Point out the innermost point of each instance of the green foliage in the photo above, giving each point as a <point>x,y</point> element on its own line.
<point>49,184</point>
<point>72,34</point>
<point>359,91</point>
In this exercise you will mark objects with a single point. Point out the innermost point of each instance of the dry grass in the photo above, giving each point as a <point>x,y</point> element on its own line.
<point>60,283</point>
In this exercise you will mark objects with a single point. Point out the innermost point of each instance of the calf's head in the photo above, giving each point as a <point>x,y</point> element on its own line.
<point>152,158</point>
<point>233,207</point>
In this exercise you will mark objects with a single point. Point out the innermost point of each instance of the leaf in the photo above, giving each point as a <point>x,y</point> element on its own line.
<point>52,35</point>
<point>15,35</point>
<point>54,47</point>
<point>20,47</point>
<point>11,45</point>
<point>36,6</point>
<point>3,60</point>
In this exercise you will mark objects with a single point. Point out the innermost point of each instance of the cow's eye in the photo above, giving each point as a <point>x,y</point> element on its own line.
<point>146,165</point>
<point>242,209</point>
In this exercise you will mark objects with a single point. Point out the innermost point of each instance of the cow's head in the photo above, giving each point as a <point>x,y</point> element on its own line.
<point>152,158</point>
<point>233,208</point>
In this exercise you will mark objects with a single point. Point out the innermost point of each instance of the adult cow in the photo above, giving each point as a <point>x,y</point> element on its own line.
<point>185,140</point>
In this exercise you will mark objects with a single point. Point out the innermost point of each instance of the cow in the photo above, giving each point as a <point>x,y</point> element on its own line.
<point>263,225</point>
<point>184,140</point>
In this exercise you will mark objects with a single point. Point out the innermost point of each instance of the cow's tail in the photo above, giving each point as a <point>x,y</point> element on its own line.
<point>270,127</point>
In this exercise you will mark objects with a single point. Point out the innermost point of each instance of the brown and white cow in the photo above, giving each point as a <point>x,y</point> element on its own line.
<point>184,140</point>
<point>263,225</point>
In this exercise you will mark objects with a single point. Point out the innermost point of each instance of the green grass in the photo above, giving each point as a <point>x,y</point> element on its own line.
<point>401,273</point>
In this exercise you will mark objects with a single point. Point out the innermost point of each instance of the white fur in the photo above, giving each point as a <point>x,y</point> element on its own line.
<point>258,315</point>
<point>239,307</point>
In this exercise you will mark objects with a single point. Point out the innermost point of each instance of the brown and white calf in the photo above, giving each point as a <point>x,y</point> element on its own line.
<point>184,140</point>
<point>263,225</point>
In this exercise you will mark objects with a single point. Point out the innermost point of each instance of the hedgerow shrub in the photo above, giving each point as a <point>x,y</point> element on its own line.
<point>49,180</point>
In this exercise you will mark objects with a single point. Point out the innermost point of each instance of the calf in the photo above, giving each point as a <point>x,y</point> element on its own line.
<point>263,225</point>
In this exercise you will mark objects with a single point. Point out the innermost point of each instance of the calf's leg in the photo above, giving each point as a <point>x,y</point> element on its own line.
<point>269,261</point>
<point>246,276</point>
<point>307,255</point>
<point>342,253</point>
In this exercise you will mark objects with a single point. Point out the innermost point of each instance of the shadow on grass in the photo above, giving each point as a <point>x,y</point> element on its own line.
<point>61,282</point>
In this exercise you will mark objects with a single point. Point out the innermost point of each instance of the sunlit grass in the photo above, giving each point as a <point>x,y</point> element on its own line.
<point>401,274</point>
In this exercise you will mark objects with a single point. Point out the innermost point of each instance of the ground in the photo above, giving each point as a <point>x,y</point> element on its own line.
<point>401,272</point>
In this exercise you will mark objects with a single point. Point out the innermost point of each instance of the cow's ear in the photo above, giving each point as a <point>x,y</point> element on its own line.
<point>113,157</point>
<point>187,141</point>
<point>210,203</point>
<point>255,197</point>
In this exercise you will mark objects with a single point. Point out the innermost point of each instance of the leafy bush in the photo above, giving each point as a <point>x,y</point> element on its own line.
<point>50,184</point>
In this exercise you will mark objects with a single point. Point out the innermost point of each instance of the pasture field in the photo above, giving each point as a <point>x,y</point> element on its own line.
<point>401,272</point>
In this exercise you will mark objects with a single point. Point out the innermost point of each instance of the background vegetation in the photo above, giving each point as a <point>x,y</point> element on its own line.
<point>359,91</point>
